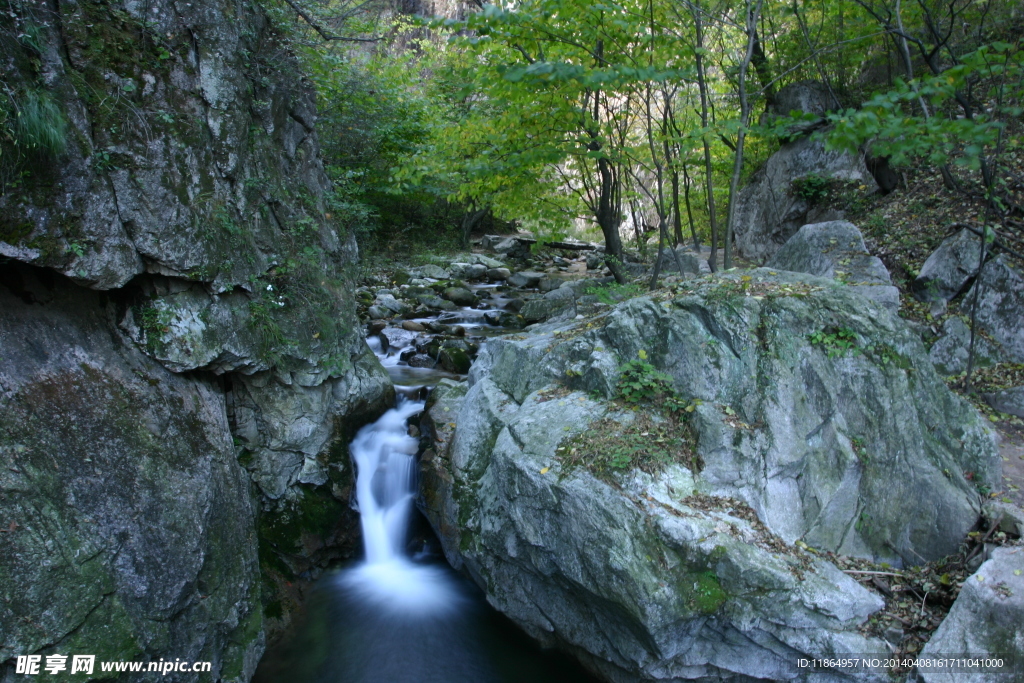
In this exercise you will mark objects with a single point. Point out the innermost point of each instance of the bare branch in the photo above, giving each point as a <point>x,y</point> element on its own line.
<point>324,33</point>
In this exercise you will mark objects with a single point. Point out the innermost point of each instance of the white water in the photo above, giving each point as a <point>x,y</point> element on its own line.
<point>385,457</point>
<point>391,619</point>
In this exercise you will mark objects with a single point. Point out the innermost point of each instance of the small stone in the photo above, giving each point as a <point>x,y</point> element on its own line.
<point>498,273</point>
<point>413,326</point>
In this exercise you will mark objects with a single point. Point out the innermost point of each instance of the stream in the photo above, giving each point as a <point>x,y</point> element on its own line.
<point>396,617</point>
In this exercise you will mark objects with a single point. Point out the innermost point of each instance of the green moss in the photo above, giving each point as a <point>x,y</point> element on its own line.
<point>315,512</point>
<point>108,633</point>
<point>703,592</point>
<point>240,639</point>
<point>14,230</point>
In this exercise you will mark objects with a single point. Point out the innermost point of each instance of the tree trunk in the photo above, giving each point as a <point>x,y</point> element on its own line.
<point>702,84</point>
<point>608,219</point>
<point>753,11</point>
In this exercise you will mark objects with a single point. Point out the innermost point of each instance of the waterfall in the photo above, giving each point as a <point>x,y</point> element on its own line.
<point>392,618</point>
<point>385,457</point>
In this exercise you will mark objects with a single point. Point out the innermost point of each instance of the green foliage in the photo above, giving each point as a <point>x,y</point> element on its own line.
<point>837,341</point>
<point>812,187</point>
<point>640,383</point>
<point>38,124</point>
<point>886,124</point>
<point>613,293</point>
<point>654,435</point>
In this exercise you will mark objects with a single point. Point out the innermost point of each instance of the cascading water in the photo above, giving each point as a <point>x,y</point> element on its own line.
<point>385,457</point>
<point>392,618</point>
<point>397,620</point>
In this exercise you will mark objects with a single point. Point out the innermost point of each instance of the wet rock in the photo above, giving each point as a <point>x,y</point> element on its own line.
<point>460,296</point>
<point>948,268</point>
<point>413,326</point>
<point>987,617</point>
<point>537,310</point>
<point>455,360</point>
<point>421,360</point>
<point>400,337</point>
<point>525,279</point>
<point>377,312</point>
<point>1001,307</point>
<point>949,352</point>
<point>836,250</point>
<point>498,274</point>
<point>476,271</point>
<point>515,304</point>
<point>389,302</point>
<point>434,302</point>
<point>376,327</point>
<point>458,269</point>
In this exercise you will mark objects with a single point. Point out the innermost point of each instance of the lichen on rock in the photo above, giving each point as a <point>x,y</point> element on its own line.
<point>819,424</point>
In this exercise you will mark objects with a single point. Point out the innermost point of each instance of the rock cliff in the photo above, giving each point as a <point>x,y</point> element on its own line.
<point>181,366</point>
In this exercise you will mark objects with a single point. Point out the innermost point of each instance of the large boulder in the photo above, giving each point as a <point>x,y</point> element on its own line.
<point>987,620</point>
<point>949,268</point>
<point>694,572</point>
<point>1001,306</point>
<point>836,250</point>
<point>559,307</point>
<point>950,351</point>
<point>769,210</point>
<point>1009,401</point>
<point>803,97</point>
<point>691,261</point>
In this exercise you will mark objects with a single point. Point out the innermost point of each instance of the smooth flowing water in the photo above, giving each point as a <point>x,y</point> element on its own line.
<point>393,618</point>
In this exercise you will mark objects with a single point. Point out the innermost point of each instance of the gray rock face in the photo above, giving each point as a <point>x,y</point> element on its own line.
<point>130,532</point>
<point>769,212</point>
<point>192,184</point>
<point>861,454</point>
<point>205,191</point>
<point>949,352</point>
<point>987,617</point>
<point>291,428</point>
<point>809,97</point>
<point>1010,401</point>
<point>691,262</point>
<point>537,310</point>
<point>949,268</point>
<point>836,250</point>
<point>1001,306</point>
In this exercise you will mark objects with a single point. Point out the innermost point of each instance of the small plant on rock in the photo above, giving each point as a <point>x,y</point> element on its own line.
<point>812,187</point>
<point>837,341</point>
